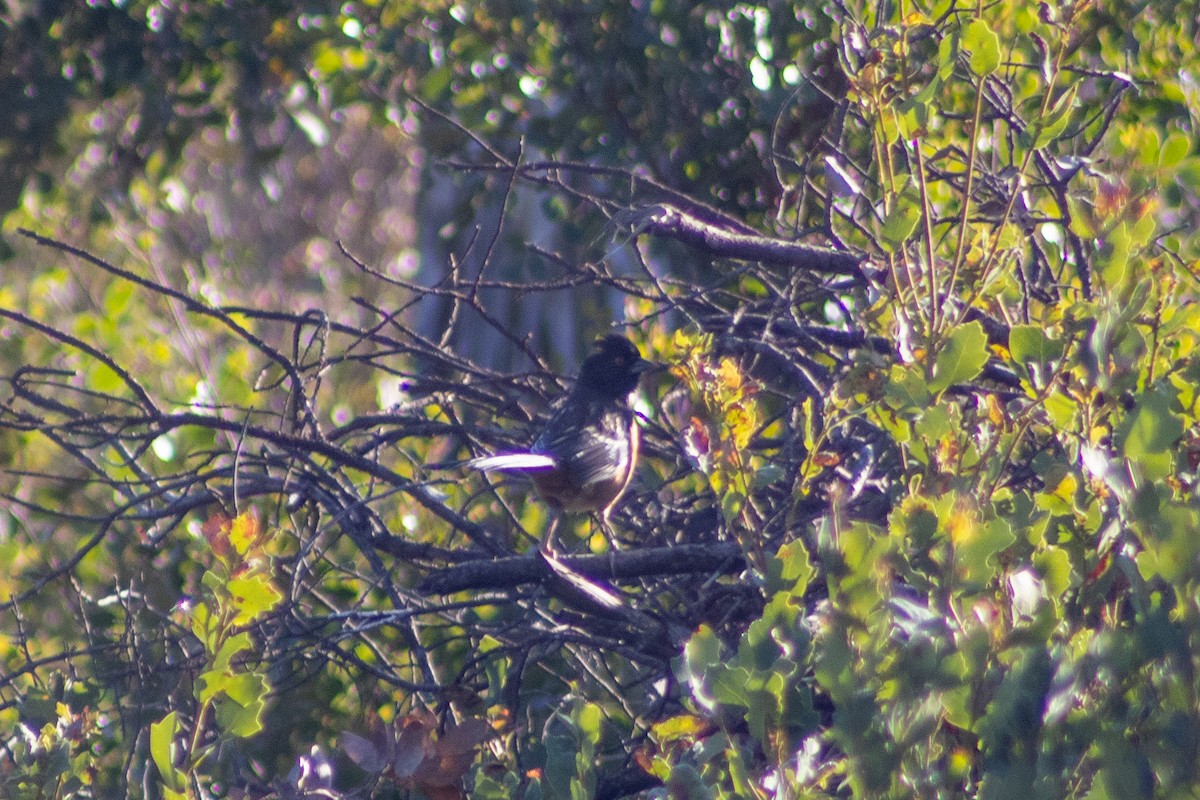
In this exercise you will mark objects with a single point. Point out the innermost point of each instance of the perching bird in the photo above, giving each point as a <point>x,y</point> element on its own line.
<point>585,456</point>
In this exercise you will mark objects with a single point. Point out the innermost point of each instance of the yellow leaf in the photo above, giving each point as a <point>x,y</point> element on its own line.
<point>729,374</point>
<point>962,527</point>
<point>243,532</point>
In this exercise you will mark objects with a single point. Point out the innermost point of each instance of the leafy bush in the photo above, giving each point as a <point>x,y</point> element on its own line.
<point>917,510</point>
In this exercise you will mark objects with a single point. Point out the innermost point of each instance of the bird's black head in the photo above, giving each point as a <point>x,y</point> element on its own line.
<point>613,369</point>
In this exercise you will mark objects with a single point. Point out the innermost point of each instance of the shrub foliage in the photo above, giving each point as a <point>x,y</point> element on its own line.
<point>917,510</point>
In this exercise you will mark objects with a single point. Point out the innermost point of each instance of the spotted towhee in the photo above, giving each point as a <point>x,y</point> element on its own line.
<point>585,456</point>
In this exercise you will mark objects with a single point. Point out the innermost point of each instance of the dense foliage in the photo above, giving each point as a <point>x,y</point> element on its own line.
<point>917,511</point>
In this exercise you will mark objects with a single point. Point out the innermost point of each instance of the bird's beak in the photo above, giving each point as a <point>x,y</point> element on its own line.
<point>642,365</point>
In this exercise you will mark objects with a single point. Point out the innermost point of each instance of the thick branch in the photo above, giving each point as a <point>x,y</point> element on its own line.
<point>671,222</point>
<point>505,573</point>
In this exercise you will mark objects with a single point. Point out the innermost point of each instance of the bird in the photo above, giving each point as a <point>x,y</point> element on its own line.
<point>585,455</point>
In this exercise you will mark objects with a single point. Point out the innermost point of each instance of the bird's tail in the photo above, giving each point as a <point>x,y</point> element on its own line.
<point>518,462</point>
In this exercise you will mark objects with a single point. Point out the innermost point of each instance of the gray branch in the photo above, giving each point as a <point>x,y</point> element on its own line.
<point>673,223</point>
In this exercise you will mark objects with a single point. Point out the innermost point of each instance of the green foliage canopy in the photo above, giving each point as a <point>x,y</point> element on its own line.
<point>955,479</point>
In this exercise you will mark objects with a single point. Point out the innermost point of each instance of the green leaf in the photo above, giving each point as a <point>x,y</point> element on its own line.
<point>731,504</point>
<point>1149,146</point>
<point>1171,546</point>
<point>488,788</point>
<point>535,790</point>
<point>560,766</point>
<point>205,625</point>
<point>731,686</point>
<point>1052,125</point>
<point>240,719</point>
<point>739,775</point>
<point>906,389</point>
<point>436,83</point>
<point>253,595</point>
<point>1061,410</point>
<point>102,379</point>
<point>984,46</point>
<point>767,475</point>
<point>681,726</point>
<point>961,358</point>
<point>232,646</point>
<point>930,91</point>
<point>762,710</point>
<point>117,298</point>
<point>1124,773</point>
<point>899,225</point>
<point>589,718</point>
<point>771,635</point>
<point>1114,263</point>
<point>1030,344</point>
<point>162,736</point>
<point>936,424</point>
<point>810,435</point>
<point>833,667</point>
<point>213,581</point>
<point>790,570</point>
<point>799,715</point>
<point>1153,427</point>
<point>975,554</point>
<point>957,705</point>
<point>686,781</point>
<point>246,688</point>
<point>211,683</point>
<point>1188,174</point>
<point>1054,565</point>
<point>914,523</point>
<point>700,655</point>
<point>947,50</point>
<point>1143,230</point>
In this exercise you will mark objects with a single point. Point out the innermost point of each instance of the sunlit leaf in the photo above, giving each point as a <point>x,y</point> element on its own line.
<point>1153,428</point>
<point>701,653</point>
<point>1175,149</point>
<point>961,358</point>
<point>243,532</point>
<point>162,738</point>
<point>899,225</point>
<point>253,595</point>
<point>906,388</point>
<point>1029,344</point>
<point>241,719</point>
<point>984,46</point>
<point>683,726</point>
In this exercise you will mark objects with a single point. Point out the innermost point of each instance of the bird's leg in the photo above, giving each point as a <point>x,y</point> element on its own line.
<point>614,544</point>
<point>602,522</point>
<point>547,544</point>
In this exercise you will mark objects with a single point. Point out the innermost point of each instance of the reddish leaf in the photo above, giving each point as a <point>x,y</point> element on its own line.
<point>412,747</point>
<point>451,756</point>
<point>466,737</point>
<point>362,752</point>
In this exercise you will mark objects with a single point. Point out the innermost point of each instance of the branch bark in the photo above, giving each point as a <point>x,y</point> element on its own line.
<point>723,558</point>
<point>673,223</point>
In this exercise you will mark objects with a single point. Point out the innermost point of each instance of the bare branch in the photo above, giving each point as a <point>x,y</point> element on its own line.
<point>670,222</point>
